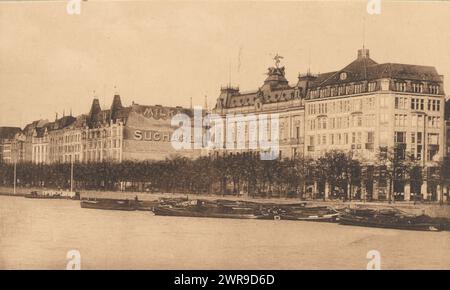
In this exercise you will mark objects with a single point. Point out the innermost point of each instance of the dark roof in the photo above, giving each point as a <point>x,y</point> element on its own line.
<point>29,128</point>
<point>275,89</point>
<point>63,122</point>
<point>9,132</point>
<point>116,107</point>
<point>366,69</point>
<point>40,131</point>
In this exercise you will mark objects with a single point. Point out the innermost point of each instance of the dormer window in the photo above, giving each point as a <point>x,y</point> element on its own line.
<point>372,86</point>
<point>348,89</point>
<point>322,93</point>
<point>400,86</point>
<point>358,88</point>
<point>343,76</point>
<point>332,91</point>
<point>417,87</point>
<point>433,89</point>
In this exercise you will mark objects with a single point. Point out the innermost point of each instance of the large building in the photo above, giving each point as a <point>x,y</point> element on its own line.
<point>360,108</point>
<point>367,105</point>
<point>119,133</point>
<point>275,96</point>
<point>11,144</point>
<point>137,132</point>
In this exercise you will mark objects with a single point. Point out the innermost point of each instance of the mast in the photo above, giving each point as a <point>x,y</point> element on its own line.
<point>71,173</point>
<point>15,175</point>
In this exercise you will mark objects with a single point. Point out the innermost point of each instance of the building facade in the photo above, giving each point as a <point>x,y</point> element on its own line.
<point>275,96</point>
<point>367,106</point>
<point>134,133</point>
<point>11,145</point>
<point>360,109</point>
<point>447,128</point>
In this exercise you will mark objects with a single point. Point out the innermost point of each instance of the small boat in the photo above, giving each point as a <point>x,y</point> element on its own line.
<point>316,214</point>
<point>53,195</point>
<point>202,208</point>
<point>109,204</point>
<point>388,218</point>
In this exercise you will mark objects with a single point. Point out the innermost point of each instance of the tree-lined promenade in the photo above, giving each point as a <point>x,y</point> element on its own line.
<point>334,175</point>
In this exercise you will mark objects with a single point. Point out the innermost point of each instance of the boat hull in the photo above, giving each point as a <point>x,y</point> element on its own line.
<point>181,212</point>
<point>48,197</point>
<point>313,218</point>
<point>365,222</point>
<point>109,205</point>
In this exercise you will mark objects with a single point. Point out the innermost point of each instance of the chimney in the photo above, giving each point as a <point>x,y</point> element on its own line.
<point>363,53</point>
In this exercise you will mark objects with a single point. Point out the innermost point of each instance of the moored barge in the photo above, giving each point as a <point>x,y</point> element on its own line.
<point>389,218</point>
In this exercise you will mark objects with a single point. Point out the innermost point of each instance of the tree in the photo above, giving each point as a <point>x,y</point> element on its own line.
<point>442,174</point>
<point>394,162</point>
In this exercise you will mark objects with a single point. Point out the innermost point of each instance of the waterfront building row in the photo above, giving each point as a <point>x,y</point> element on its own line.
<point>115,134</point>
<point>358,109</point>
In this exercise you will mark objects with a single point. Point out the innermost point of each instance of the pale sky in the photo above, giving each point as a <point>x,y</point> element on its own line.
<point>167,52</point>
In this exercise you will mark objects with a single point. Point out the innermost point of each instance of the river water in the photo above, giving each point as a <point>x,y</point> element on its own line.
<point>38,233</point>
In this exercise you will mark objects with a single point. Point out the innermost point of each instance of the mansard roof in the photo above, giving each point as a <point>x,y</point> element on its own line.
<point>63,122</point>
<point>29,128</point>
<point>275,88</point>
<point>366,69</point>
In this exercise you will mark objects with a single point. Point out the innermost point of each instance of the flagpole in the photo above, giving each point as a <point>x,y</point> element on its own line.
<point>15,175</point>
<point>71,174</point>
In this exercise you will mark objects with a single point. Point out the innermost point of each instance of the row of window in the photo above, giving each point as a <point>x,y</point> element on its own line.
<point>324,123</point>
<point>401,120</point>
<point>357,138</point>
<point>285,96</point>
<point>341,106</point>
<point>65,149</point>
<point>104,133</point>
<point>115,143</point>
<point>416,138</point>
<point>341,90</point>
<point>416,88</point>
<point>95,155</point>
<point>66,139</point>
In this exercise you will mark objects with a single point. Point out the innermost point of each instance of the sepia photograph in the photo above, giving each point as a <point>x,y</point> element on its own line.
<point>224,135</point>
